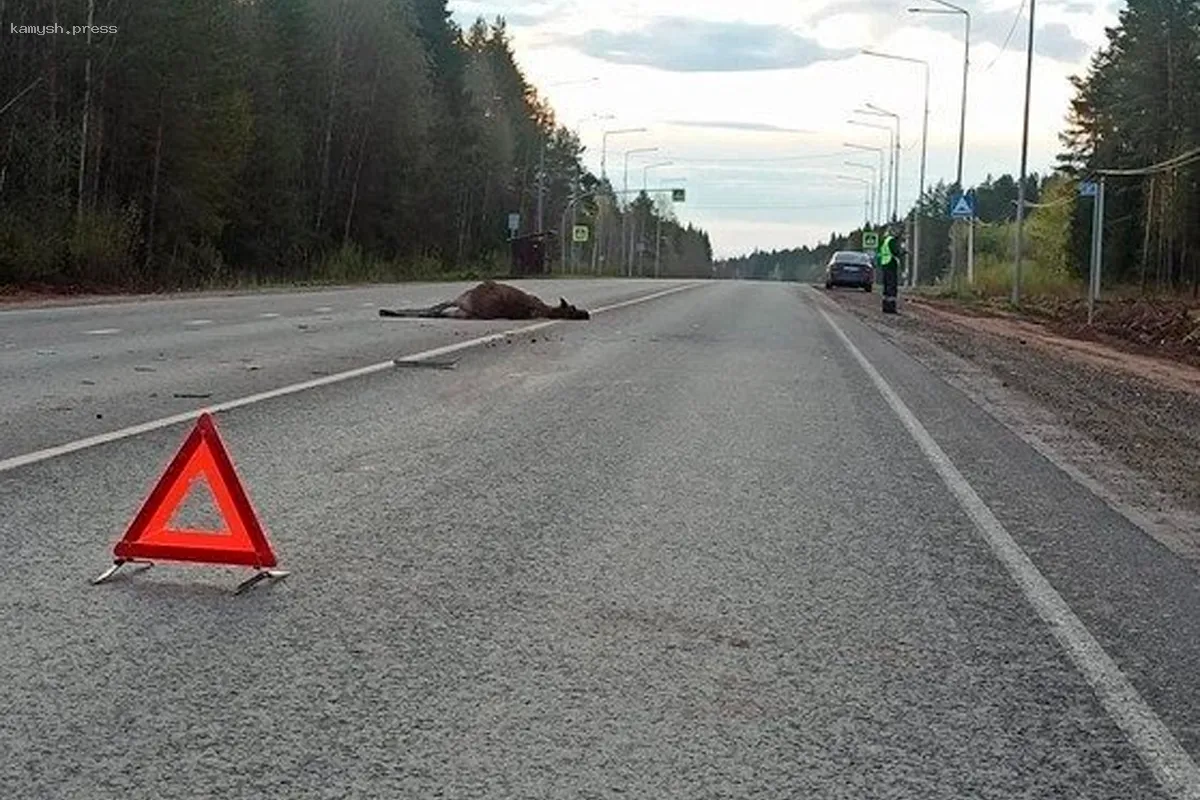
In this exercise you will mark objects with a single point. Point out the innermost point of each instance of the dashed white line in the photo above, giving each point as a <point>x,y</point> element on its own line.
<point>196,323</point>
<point>102,332</point>
<point>323,310</point>
<point>187,416</point>
<point>368,304</point>
<point>269,315</point>
<point>1150,737</point>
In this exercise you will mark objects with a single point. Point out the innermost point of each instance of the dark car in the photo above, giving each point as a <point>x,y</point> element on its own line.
<point>849,268</point>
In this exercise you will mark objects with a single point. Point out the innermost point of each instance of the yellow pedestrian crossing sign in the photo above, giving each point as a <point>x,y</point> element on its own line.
<point>580,234</point>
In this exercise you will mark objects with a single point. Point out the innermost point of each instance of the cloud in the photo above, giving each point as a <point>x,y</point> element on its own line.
<point>1055,40</point>
<point>734,125</point>
<point>677,44</point>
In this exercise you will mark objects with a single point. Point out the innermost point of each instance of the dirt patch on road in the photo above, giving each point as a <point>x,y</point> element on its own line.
<point>1125,424</point>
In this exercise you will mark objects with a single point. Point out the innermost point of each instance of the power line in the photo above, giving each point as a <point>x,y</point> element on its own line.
<point>1181,160</point>
<point>1007,39</point>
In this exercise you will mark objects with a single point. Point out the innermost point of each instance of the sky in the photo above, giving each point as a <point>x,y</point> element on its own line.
<point>751,101</point>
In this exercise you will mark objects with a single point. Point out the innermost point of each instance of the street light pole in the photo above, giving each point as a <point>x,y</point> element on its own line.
<point>628,245</point>
<point>646,171</point>
<point>874,178</point>
<point>879,204</point>
<point>598,247</point>
<point>893,170</point>
<point>604,147</point>
<point>541,192</point>
<point>633,152</point>
<point>916,260</point>
<point>882,112</point>
<point>950,8</point>
<point>1016,279</point>
<point>645,184</point>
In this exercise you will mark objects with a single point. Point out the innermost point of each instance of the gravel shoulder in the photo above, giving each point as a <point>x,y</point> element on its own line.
<point>1125,425</point>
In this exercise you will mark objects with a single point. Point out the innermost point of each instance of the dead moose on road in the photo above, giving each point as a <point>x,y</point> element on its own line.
<point>491,300</point>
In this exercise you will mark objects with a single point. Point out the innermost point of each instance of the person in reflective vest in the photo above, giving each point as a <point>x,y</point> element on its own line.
<point>891,250</point>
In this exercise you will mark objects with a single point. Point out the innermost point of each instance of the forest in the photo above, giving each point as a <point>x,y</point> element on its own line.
<point>150,144</point>
<point>1134,121</point>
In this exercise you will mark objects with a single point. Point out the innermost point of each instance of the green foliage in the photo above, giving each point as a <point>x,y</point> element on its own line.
<point>233,142</point>
<point>1136,107</point>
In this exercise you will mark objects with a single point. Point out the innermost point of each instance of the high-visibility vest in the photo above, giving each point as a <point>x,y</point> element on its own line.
<point>885,252</point>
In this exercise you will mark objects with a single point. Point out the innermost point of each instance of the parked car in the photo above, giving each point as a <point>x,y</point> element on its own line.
<point>850,268</point>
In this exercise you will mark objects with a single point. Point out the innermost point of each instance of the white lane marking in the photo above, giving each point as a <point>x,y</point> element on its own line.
<point>268,315</point>
<point>186,416</point>
<point>322,310</point>
<point>102,331</point>
<point>368,304</point>
<point>1150,737</point>
<point>195,323</point>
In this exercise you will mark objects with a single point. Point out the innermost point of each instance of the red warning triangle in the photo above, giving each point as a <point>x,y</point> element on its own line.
<point>202,457</point>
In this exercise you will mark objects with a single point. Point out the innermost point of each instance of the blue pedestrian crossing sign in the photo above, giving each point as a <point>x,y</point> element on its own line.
<point>1089,189</point>
<point>962,206</point>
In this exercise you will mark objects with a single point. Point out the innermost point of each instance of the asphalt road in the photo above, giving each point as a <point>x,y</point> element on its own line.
<point>690,548</point>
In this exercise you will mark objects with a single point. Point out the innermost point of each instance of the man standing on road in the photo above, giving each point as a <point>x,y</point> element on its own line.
<point>891,251</point>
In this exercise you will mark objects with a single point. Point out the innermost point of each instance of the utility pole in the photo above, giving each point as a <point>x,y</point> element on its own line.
<point>541,193</point>
<point>1016,277</point>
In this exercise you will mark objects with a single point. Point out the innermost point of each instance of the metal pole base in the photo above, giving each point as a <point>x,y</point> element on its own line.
<point>120,562</point>
<point>258,577</point>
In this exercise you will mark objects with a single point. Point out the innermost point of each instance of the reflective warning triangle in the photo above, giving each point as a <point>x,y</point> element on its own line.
<point>242,541</point>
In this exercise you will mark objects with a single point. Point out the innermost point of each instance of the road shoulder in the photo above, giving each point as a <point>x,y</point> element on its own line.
<point>1117,423</point>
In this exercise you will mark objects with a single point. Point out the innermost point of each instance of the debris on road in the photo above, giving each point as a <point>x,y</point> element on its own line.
<point>193,395</point>
<point>427,363</point>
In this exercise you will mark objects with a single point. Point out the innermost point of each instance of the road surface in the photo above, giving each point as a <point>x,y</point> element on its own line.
<point>726,542</point>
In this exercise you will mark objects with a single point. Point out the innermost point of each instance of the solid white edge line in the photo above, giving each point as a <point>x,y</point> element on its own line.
<point>186,416</point>
<point>1163,755</point>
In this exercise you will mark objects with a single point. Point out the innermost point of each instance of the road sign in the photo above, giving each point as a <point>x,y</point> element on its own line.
<point>962,207</point>
<point>1088,189</point>
<point>870,240</point>
<point>679,195</point>
<point>580,233</point>
<point>514,223</point>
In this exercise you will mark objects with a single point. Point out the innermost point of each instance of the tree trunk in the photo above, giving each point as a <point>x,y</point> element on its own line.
<point>154,191</point>
<point>334,85</point>
<point>98,153</point>
<point>87,105</point>
<point>7,158</point>
<point>52,148</point>
<point>362,146</point>
<point>1148,221</point>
